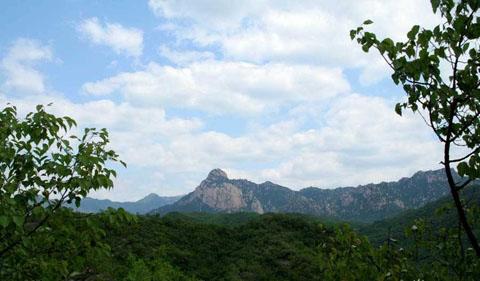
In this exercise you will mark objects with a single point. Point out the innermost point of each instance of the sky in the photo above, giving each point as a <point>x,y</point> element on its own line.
<point>265,90</point>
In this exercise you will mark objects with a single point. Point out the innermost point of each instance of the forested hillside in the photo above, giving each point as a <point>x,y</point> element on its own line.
<point>242,246</point>
<point>440,213</point>
<point>249,246</point>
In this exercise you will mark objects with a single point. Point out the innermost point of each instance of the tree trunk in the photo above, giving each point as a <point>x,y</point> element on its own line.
<point>461,212</point>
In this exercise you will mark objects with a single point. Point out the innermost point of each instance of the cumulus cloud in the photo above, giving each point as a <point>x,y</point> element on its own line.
<point>321,157</point>
<point>276,67</point>
<point>222,14</point>
<point>123,40</point>
<point>362,141</point>
<point>19,63</point>
<point>288,58</point>
<point>185,57</point>
<point>140,136</point>
<point>225,87</point>
<point>309,32</point>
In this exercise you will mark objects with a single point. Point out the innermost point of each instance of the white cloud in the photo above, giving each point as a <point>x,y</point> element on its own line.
<point>140,135</point>
<point>225,87</point>
<point>222,14</point>
<point>278,66</point>
<point>362,141</point>
<point>19,64</point>
<point>185,57</point>
<point>123,40</point>
<point>308,32</point>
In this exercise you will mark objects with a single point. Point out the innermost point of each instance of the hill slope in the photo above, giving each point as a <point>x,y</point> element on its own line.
<point>379,231</point>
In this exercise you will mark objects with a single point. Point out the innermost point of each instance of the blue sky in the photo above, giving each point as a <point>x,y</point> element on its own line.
<point>266,90</point>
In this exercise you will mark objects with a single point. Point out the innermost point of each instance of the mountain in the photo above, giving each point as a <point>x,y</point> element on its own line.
<point>142,206</point>
<point>373,202</point>
<point>367,203</point>
<point>439,213</point>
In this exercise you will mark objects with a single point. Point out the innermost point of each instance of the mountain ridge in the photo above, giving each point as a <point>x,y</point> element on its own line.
<point>141,206</point>
<point>364,203</point>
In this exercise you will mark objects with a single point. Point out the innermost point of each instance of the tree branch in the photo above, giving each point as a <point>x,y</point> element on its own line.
<point>467,125</point>
<point>460,187</point>
<point>477,150</point>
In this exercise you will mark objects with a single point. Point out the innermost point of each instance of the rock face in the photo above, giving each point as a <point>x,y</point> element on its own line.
<point>216,175</point>
<point>218,193</point>
<point>373,202</point>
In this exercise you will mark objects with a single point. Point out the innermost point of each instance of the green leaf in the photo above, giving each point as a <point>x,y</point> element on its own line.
<point>435,4</point>
<point>353,33</point>
<point>398,109</point>
<point>77,202</point>
<point>413,32</point>
<point>3,221</point>
<point>367,22</point>
<point>18,220</point>
<point>414,107</point>
<point>462,169</point>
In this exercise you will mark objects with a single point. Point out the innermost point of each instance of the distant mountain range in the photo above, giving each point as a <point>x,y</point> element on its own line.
<point>366,203</point>
<point>142,206</point>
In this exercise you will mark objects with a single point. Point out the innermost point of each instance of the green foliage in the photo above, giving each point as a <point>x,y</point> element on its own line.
<point>69,246</point>
<point>237,219</point>
<point>43,166</point>
<point>155,270</point>
<point>270,247</point>
<point>438,214</point>
<point>113,246</point>
<point>451,98</point>
<point>222,219</point>
<point>286,247</point>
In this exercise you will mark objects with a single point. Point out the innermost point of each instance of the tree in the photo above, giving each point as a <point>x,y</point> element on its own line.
<point>450,100</point>
<point>42,166</point>
<point>69,246</point>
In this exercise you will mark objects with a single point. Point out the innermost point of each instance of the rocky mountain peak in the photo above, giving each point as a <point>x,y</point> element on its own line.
<point>367,203</point>
<point>217,175</point>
